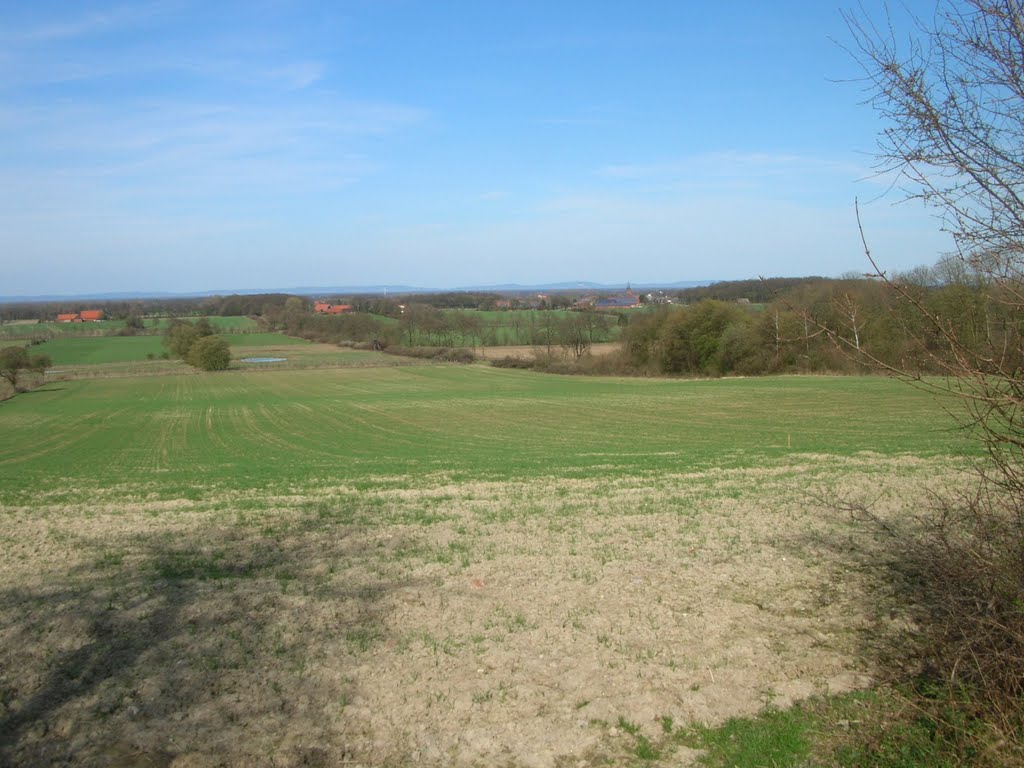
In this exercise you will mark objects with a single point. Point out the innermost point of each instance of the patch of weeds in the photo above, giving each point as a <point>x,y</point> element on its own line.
<point>631,728</point>
<point>913,727</point>
<point>774,738</point>
<point>110,559</point>
<point>645,750</point>
<point>460,550</point>
<point>642,747</point>
<point>284,578</point>
<point>583,575</point>
<point>410,551</point>
<point>575,618</point>
<point>645,654</point>
<point>444,556</point>
<point>446,645</point>
<point>419,517</point>
<point>483,697</point>
<point>608,553</point>
<point>518,622</point>
<point>361,639</point>
<point>183,566</point>
<point>334,511</point>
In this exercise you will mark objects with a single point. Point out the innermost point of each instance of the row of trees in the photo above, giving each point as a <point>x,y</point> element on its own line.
<point>425,325</point>
<point>834,325</point>
<point>234,305</point>
<point>813,325</point>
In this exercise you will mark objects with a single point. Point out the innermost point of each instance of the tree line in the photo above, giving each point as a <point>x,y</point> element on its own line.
<point>827,326</point>
<point>424,325</point>
<point>234,305</point>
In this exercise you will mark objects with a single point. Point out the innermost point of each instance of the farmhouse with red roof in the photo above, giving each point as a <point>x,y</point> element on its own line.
<point>85,316</point>
<point>323,308</point>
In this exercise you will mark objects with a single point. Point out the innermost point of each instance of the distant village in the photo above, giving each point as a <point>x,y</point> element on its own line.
<point>628,299</point>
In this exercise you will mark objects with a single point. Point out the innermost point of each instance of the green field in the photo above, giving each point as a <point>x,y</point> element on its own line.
<point>525,316</point>
<point>123,349</point>
<point>238,324</point>
<point>515,327</point>
<point>108,349</point>
<point>187,434</point>
<point>50,330</point>
<point>380,556</point>
<point>262,340</point>
<point>54,330</point>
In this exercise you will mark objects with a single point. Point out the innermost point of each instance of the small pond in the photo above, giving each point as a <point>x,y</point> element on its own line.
<point>264,359</point>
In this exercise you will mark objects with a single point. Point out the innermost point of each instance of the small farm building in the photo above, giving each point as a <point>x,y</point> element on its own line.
<point>323,308</point>
<point>85,316</point>
<point>627,301</point>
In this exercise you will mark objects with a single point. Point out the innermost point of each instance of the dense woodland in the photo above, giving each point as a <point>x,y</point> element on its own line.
<point>830,325</point>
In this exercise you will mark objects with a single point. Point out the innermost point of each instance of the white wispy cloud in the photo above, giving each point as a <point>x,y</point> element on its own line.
<point>193,150</point>
<point>730,164</point>
<point>299,74</point>
<point>92,22</point>
<point>69,50</point>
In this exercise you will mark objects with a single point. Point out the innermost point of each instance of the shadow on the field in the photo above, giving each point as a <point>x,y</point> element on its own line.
<point>169,643</point>
<point>869,573</point>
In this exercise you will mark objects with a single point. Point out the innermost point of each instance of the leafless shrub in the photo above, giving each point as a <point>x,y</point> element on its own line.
<point>953,104</point>
<point>442,354</point>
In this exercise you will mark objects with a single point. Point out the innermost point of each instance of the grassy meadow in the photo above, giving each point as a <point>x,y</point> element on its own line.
<point>80,357</point>
<point>377,563</point>
<point>192,433</point>
<point>55,330</point>
<point>512,327</point>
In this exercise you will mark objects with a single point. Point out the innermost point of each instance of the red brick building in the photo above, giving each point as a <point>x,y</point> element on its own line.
<point>323,308</point>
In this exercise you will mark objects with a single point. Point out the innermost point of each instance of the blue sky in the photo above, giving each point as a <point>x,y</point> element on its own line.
<point>185,146</point>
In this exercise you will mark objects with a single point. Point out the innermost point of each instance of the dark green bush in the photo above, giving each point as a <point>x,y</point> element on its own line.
<point>209,353</point>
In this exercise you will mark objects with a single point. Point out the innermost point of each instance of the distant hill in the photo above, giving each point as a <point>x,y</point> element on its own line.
<point>346,290</point>
<point>128,295</point>
<point>760,290</point>
<point>580,286</point>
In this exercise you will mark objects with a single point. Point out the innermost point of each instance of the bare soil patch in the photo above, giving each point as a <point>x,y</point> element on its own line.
<point>440,624</point>
<point>530,353</point>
